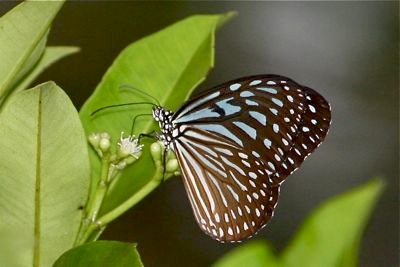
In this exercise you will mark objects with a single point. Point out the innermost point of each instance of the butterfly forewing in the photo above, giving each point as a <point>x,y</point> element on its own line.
<point>237,142</point>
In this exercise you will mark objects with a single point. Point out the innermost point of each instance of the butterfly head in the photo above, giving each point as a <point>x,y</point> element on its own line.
<point>164,118</point>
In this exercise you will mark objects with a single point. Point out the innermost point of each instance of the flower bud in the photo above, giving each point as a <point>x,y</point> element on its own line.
<point>94,140</point>
<point>104,144</point>
<point>172,166</point>
<point>105,135</point>
<point>156,150</point>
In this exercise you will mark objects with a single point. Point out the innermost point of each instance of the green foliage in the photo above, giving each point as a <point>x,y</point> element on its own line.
<point>23,35</point>
<point>44,162</point>
<point>253,254</point>
<point>101,254</point>
<point>168,65</point>
<point>50,55</point>
<point>329,237</point>
<point>334,228</point>
<point>44,173</point>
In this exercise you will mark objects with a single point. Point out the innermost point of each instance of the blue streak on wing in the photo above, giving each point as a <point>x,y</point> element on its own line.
<point>197,115</point>
<point>222,130</point>
<point>227,107</point>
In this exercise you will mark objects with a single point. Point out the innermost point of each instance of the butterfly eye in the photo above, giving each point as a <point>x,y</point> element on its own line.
<point>156,113</point>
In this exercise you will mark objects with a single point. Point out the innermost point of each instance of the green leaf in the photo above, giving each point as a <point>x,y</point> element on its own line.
<point>101,253</point>
<point>168,65</point>
<point>44,176</point>
<point>23,32</point>
<point>253,254</point>
<point>330,237</point>
<point>50,55</point>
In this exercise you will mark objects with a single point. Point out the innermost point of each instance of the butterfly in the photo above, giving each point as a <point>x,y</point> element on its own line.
<point>236,143</point>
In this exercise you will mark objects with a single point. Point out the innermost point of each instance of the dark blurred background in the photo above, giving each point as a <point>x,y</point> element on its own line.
<point>347,51</point>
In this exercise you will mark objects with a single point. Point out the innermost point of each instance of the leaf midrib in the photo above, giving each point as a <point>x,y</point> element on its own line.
<point>36,247</point>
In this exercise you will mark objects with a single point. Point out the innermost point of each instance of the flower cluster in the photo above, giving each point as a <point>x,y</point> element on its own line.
<point>128,150</point>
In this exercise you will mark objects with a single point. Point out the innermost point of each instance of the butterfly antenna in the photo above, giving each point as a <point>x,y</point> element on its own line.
<point>127,86</point>
<point>121,105</point>
<point>134,120</point>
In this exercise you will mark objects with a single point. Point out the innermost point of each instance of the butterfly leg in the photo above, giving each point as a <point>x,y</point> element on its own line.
<point>165,155</point>
<point>149,135</point>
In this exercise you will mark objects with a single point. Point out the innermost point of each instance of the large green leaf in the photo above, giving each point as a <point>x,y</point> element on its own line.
<point>50,55</point>
<point>252,254</point>
<point>101,254</point>
<point>23,32</point>
<point>330,236</point>
<point>168,65</point>
<point>44,176</point>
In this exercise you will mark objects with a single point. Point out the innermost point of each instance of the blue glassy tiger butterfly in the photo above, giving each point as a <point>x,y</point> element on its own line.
<point>236,143</point>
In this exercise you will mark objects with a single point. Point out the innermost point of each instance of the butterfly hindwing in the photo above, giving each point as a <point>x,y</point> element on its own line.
<point>231,199</point>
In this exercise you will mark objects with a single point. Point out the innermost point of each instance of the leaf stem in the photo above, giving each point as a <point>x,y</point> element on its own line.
<point>130,202</point>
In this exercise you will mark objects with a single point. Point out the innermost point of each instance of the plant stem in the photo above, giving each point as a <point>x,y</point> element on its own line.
<point>99,225</point>
<point>92,226</point>
<point>101,190</point>
<point>94,203</point>
<point>130,202</point>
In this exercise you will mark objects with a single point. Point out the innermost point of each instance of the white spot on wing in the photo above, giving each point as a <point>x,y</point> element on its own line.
<point>251,102</point>
<point>261,118</point>
<point>253,175</point>
<point>250,131</point>
<point>285,142</point>
<point>242,155</point>
<point>267,143</point>
<point>275,127</point>
<point>230,232</point>
<point>234,86</point>
<point>273,111</point>
<point>272,166</point>
<point>277,101</point>
<point>258,212</point>
<point>268,90</point>
<point>255,82</point>
<point>246,94</point>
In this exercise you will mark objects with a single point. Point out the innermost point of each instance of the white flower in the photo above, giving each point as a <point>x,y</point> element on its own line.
<point>129,146</point>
